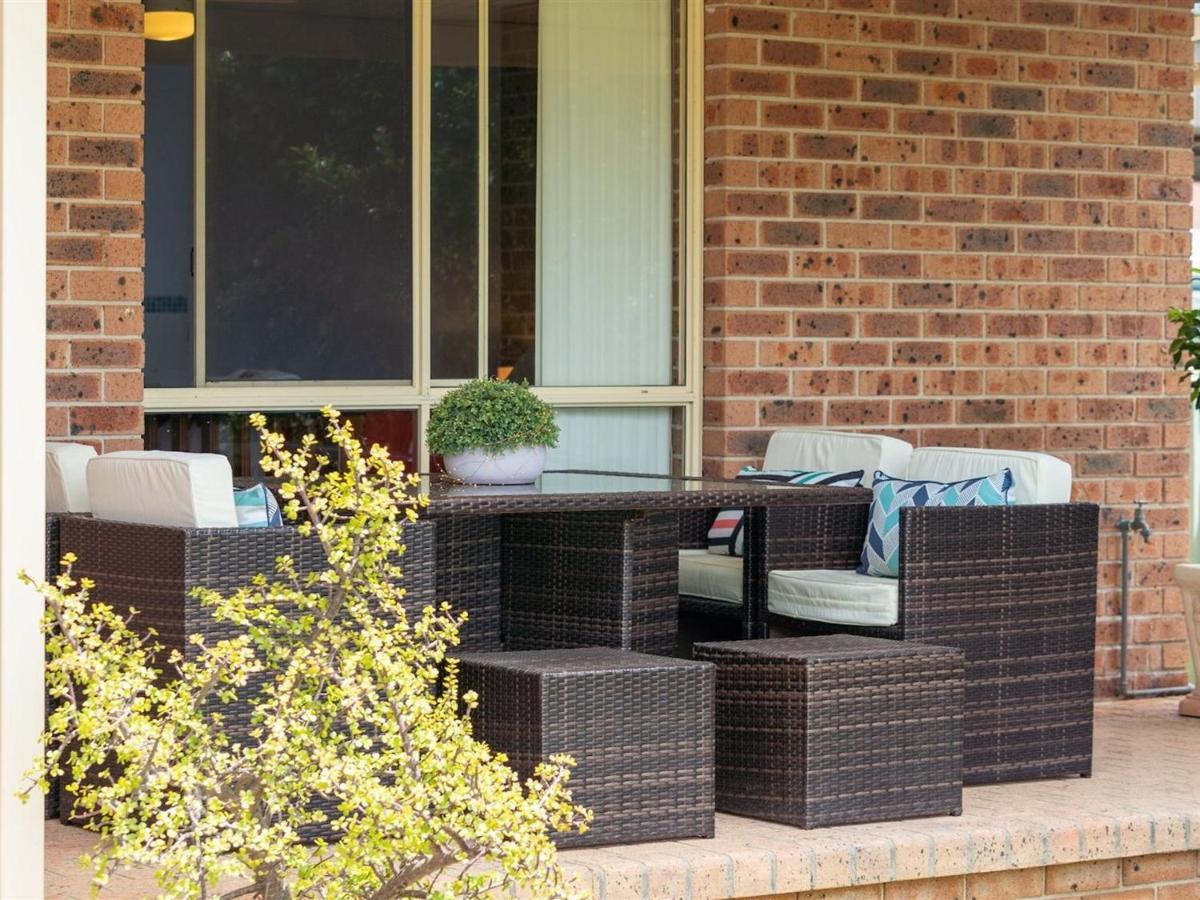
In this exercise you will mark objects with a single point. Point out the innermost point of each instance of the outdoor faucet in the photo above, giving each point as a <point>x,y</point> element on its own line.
<point>1126,527</point>
<point>1137,523</point>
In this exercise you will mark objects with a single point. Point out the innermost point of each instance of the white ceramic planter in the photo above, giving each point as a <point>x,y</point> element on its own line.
<point>520,466</point>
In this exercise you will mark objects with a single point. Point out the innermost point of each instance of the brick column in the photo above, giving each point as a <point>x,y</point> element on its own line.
<point>95,250</point>
<point>961,222</point>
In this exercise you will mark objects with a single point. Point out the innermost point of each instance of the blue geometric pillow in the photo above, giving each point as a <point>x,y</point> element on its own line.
<point>881,551</point>
<point>256,507</point>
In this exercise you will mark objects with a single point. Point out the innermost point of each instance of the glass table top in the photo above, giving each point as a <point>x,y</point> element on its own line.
<point>579,489</point>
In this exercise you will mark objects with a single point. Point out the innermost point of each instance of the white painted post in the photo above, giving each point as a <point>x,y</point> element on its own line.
<point>22,429</point>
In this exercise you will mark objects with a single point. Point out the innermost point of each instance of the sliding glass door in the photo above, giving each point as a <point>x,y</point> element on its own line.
<point>392,197</point>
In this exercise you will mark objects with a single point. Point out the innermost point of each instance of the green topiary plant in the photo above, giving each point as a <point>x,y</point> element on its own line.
<point>490,415</point>
<point>360,707</point>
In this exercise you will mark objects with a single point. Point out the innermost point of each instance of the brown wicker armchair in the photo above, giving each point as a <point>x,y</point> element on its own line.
<point>1014,587</point>
<point>782,537</point>
<point>155,568</point>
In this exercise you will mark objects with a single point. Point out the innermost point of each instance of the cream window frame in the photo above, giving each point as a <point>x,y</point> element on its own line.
<point>422,392</point>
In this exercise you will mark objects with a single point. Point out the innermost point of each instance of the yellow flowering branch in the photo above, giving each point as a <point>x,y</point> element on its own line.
<point>355,708</point>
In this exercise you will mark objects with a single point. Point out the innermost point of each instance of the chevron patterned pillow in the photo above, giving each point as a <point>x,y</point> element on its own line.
<point>881,551</point>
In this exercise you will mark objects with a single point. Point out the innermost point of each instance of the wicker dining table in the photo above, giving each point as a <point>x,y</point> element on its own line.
<point>589,558</point>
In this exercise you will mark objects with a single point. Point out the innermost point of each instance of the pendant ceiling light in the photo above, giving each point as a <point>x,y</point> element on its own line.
<point>169,20</point>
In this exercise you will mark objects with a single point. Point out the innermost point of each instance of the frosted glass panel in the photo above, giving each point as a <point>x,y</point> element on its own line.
<point>604,192</point>
<point>614,440</point>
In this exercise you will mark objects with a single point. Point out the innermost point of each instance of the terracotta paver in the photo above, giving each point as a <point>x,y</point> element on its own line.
<point>1143,798</point>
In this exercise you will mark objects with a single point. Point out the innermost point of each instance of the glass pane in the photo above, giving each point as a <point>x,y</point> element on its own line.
<point>512,187</point>
<point>619,439</point>
<point>308,187</point>
<point>454,186</point>
<point>678,296</point>
<point>583,175</point>
<point>230,434</point>
<point>170,322</point>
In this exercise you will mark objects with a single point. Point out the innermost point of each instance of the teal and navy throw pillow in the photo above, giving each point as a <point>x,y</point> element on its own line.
<point>256,507</point>
<point>881,552</point>
<point>725,536</point>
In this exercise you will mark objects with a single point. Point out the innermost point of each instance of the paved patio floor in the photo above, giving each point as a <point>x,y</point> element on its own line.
<point>1144,797</point>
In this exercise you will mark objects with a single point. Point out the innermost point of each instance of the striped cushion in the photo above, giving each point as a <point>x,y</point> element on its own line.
<point>256,507</point>
<point>881,551</point>
<point>725,536</point>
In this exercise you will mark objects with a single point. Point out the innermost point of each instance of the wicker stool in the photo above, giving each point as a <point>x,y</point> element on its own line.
<point>837,729</point>
<point>640,728</point>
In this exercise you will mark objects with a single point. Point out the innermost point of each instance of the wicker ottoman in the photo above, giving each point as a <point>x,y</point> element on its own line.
<point>837,729</point>
<point>640,728</point>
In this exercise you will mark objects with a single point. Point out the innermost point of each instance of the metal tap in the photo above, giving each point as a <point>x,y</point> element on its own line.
<point>1137,523</point>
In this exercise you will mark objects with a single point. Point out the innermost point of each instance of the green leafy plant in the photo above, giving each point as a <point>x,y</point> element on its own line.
<point>354,703</point>
<point>1185,347</point>
<point>490,415</point>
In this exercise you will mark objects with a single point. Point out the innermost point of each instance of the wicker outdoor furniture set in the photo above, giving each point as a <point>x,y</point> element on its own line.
<point>986,677</point>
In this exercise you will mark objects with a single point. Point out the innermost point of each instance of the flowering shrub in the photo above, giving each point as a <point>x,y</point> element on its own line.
<point>360,707</point>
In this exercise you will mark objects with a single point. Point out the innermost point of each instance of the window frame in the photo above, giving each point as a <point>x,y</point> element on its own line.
<point>422,392</point>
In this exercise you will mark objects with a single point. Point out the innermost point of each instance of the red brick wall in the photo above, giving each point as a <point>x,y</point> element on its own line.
<point>960,221</point>
<point>94,245</point>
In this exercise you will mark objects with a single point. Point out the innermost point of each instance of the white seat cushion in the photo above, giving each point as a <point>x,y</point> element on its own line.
<point>816,450</point>
<point>835,596</point>
<point>841,596</point>
<point>704,574</point>
<point>1037,477</point>
<point>66,477</point>
<point>156,487</point>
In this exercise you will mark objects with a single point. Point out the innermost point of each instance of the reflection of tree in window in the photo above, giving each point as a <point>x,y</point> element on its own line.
<point>512,210</point>
<point>454,186</point>
<point>308,188</point>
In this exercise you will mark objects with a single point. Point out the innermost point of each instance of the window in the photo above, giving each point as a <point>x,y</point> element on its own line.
<point>387,197</point>
<point>230,434</point>
<point>308,191</point>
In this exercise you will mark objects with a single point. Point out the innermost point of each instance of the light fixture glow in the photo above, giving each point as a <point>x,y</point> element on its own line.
<point>169,20</point>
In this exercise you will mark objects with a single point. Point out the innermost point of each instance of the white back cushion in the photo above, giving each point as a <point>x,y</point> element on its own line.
<point>156,487</point>
<point>837,451</point>
<point>66,477</point>
<point>1037,477</point>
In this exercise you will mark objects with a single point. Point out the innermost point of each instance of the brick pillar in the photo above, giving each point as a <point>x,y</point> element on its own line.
<point>94,246</point>
<point>961,222</point>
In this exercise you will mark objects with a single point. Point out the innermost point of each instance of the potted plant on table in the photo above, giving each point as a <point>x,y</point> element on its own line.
<point>492,432</point>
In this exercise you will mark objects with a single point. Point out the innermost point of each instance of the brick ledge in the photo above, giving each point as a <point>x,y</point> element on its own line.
<point>1143,798</point>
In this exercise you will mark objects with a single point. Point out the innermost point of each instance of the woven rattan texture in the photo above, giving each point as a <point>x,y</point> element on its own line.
<point>467,574</point>
<point>640,728</point>
<point>591,579</point>
<point>1015,588</point>
<point>154,569</point>
<point>808,536</point>
<point>53,555</point>
<point>834,730</point>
